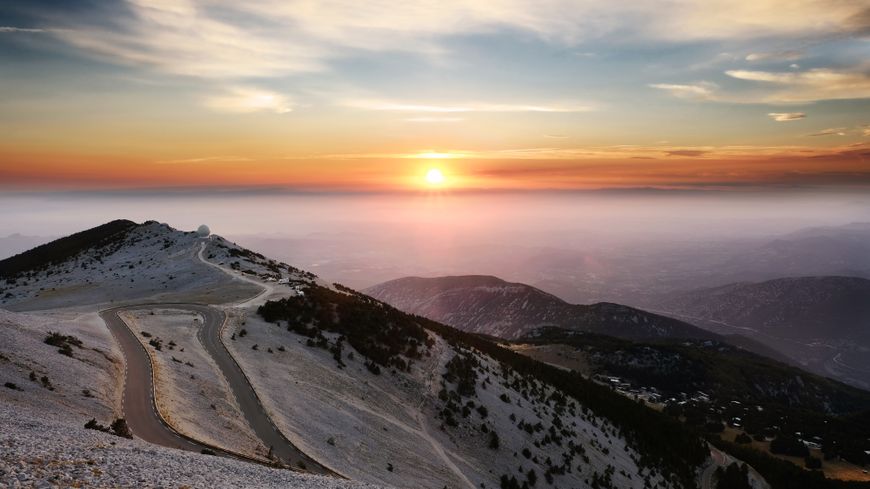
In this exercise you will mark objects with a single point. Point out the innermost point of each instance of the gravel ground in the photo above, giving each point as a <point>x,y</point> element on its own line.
<point>39,449</point>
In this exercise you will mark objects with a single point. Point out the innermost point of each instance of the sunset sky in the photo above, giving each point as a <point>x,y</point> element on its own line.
<point>496,94</point>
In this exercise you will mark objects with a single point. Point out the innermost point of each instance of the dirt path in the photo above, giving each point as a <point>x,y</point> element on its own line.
<point>424,427</point>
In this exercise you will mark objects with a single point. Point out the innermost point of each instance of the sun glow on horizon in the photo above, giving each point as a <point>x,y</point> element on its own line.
<point>434,176</point>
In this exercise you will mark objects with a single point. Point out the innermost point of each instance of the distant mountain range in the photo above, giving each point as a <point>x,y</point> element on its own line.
<point>823,323</point>
<point>489,305</point>
<point>801,308</point>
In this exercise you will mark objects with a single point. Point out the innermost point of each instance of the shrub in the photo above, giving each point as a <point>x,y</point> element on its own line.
<point>532,477</point>
<point>63,342</point>
<point>733,477</point>
<point>462,370</point>
<point>57,339</point>
<point>787,445</point>
<point>493,440</point>
<point>120,428</point>
<point>742,439</point>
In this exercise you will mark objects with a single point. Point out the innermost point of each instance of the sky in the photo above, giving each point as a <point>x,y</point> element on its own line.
<point>348,96</point>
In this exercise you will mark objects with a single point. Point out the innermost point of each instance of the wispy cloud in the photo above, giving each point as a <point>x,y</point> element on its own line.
<point>227,38</point>
<point>433,119</point>
<point>780,87</point>
<point>698,91</point>
<point>809,86</point>
<point>401,106</point>
<point>246,100</point>
<point>20,29</point>
<point>787,116</point>
<point>789,55</point>
<point>204,159</point>
<point>556,136</point>
<point>834,131</point>
<point>689,153</point>
<point>597,153</point>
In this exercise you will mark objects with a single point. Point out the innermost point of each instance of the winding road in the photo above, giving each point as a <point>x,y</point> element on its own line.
<point>139,405</point>
<point>140,409</point>
<point>210,337</point>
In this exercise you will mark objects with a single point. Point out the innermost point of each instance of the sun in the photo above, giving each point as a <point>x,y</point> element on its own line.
<point>434,176</point>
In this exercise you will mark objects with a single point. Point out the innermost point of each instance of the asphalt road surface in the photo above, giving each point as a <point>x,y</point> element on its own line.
<point>141,412</point>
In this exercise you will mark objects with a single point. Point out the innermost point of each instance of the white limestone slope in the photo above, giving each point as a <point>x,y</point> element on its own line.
<point>153,262</point>
<point>41,449</point>
<point>43,442</point>
<point>361,424</point>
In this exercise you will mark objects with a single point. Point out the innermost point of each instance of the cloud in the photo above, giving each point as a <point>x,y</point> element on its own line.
<point>188,38</point>
<point>780,87</point>
<point>698,91</point>
<point>790,55</point>
<point>204,159</point>
<point>401,106</point>
<point>556,136</point>
<point>618,152</point>
<point>20,29</point>
<point>690,153</point>
<point>264,38</point>
<point>809,86</point>
<point>434,119</point>
<point>834,131</point>
<point>246,100</point>
<point>787,116</point>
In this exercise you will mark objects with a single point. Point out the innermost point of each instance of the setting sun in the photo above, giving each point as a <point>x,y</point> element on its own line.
<point>434,176</point>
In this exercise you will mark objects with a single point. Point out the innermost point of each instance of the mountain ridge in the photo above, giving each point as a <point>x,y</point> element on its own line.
<point>487,304</point>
